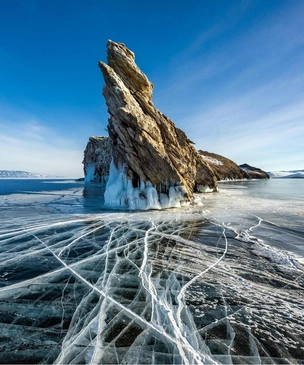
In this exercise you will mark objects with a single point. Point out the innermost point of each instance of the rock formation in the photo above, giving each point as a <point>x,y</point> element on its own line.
<point>154,163</point>
<point>97,159</point>
<point>147,162</point>
<point>223,168</point>
<point>254,172</point>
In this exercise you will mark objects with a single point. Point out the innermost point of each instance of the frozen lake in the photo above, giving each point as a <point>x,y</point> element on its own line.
<point>218,282</point>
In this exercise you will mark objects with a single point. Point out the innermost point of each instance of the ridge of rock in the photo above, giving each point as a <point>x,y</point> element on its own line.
<point>254,172</point>
<point>147,145</point>
<point>223,167</point>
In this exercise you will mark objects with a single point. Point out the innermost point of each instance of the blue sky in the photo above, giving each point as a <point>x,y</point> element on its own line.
<point>229,73</point>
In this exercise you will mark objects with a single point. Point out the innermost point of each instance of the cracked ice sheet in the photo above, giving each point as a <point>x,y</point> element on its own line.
<point>198,285</point>
<point>175,287</point>
<point>69,201</point>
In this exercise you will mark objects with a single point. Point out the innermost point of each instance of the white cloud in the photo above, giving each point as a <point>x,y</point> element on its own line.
<point>32,146</point>
<point>33,156</point>
<point>273,139</point>
<point>243,97</point>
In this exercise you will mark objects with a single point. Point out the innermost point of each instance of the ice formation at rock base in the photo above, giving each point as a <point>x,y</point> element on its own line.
<point>90,173</point>
<point>97,158</point>
<point>120,193</point>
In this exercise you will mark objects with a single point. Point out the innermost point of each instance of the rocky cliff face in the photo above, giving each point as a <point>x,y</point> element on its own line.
<point>254,172</point>
<point>224,168</point>
<point>154,164</point>
<point>97,159</point>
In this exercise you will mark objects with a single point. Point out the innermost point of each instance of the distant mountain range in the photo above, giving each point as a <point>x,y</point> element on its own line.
<point>14,174</point>
<point>293,174</point>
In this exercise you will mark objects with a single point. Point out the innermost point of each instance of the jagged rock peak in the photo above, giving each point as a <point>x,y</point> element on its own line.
<point>122,61</point>
<point>148,149</point>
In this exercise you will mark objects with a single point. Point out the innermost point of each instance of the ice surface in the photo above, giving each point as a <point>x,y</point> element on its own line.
<point>199,285</point>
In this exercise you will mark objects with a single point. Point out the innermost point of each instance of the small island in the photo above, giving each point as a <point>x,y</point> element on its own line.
<point>147,162</point>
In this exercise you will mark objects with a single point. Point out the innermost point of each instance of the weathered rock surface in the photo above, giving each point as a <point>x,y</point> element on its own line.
<point>97,159</point>
<point>146,144</point>
<point>223,168</point>
<point>254,172</point>
<point>154,164</point>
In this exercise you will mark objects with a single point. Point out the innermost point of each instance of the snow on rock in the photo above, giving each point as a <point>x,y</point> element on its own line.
<point>213,161</point>
<point>293,174</point>
<point>254,172</point>
<point>224,168</point>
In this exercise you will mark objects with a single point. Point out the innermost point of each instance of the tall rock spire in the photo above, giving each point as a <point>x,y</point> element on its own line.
<point>146,144</point>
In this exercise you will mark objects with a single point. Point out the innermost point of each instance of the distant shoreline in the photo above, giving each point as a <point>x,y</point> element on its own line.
<point>41,178</point>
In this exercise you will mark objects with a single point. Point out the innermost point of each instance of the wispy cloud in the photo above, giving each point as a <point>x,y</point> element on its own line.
<point>243,98</point>
<point>30,145</point>
<point>253,51</point>
<point>270,140</point>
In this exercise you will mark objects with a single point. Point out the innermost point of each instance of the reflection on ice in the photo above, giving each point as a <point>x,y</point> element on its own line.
<point>178,287</point>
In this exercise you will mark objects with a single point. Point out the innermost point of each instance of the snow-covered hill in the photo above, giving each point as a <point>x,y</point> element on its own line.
<point>14,174</point>
<point>293,174</point>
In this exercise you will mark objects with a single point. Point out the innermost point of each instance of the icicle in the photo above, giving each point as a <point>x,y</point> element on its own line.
<point>204,189</point>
